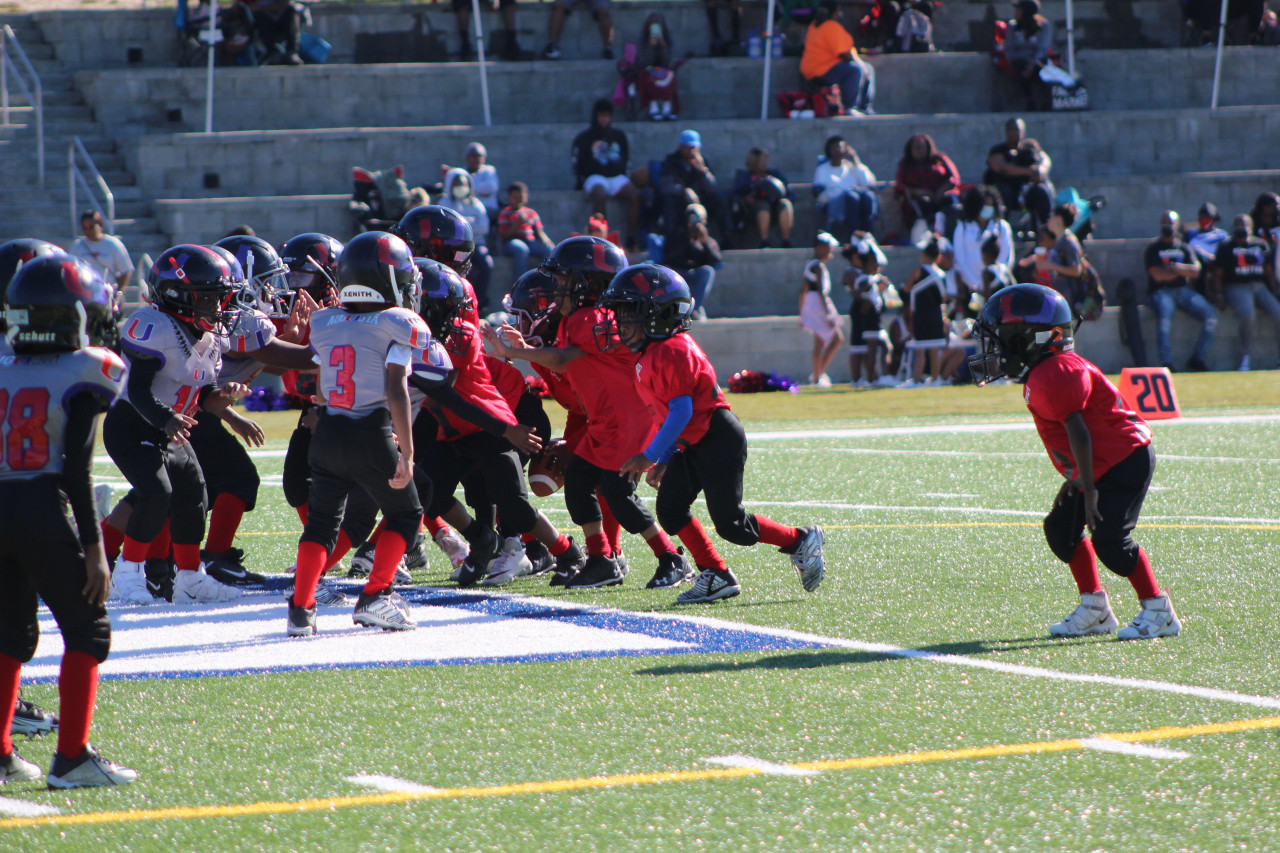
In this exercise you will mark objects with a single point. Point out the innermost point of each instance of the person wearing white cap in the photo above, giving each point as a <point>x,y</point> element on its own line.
<point>817,312</point>
<point>484,179</point>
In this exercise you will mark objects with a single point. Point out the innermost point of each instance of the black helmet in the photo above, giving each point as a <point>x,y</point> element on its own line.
<point>14,254</point>
<point>531,304</point>
<point>263,272</point>
<point>375,272</point>
<point>312,263</point>
<point>444,303</point>
<point>59,303</point>
<point>439,234</point>
<point>652,296</point>
<point>1019,327</point>
<point>583,267</point>
<point>196,285</point>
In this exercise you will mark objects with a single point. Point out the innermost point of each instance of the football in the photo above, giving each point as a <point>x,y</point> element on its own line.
<point>546,470</point>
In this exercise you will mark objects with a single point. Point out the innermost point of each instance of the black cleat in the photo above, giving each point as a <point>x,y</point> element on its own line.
<point>568,565</point>
<point>673,570</point>
<point>599,571</point>
<point>32,720</point>
<point>416,557</point>
<point>302,620</point>
<point>227,571</point>
<point>160,577</point>
<point>539,557</point>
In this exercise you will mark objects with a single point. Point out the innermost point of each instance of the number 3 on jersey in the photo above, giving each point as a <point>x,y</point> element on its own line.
<point>26,446</point>
<point>343,358</point>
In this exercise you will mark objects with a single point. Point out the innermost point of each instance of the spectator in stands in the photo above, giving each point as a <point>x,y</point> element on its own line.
<point>995,274</point>
<point>1027,44</point>
<point>560,10</point>
<point>721,46</point>
<point>600,166</point>
<point>1266,218</point>
<point>484,180</point>
<point>656,85</point>
<point>845,190</point>
<point>1245,276</point>
<point>245,230</point>
<point>981,219</point>
<point>520,228</point>
<point>458,196</point>
<point>1269,29</point>
<point>1204,241</point>
<point>761,197</point>
<point>1019,169</point>
<point>687,179</point>
<point>1172,270</point>
<point>817,312</point>
<point>105,253</point>
<point>831,59</point>
<point>418,197</point>
<point>927,180</point>
<point>1065,259</point>
<point>695,255</point>
<point>278,26</point>
<point>1027,270</point>
<point>509,45</point>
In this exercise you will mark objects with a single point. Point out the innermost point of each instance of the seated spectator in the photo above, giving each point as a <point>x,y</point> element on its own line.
<point>761,196</point>
<point>600,167</point>
<point>845,190</point>
<point>278,26</point>
<point>817,312</point>
<point>721,46</point>
<point>656,86</point>
<point>1266,218</point>
<point>418,197</point>
<point>560,10</point>
<point>687,179</point>
<point>459,197</point>
<point>1204,241</point>
<point>1027,270</point>
<point>508,43</point>
<point>1172,269</point>
<point>484,179</point>
<point>696,256</point>
<point>981,219</point>
<point>831,59</point>
<point>104,253</point>
<point>914,30</point>
<point>928,181</point>
<point>1019,169</point>
<point>1065,259</point>
<point>520,228</point>
<point>1028,40</point>
<point>1269,29</point>
<point>1245,275</point>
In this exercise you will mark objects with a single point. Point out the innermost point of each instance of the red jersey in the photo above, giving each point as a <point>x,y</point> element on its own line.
<point>575,424</point>
<point>508,380</point>
<point>618,425</point>
<point>677,367</point>
<point>475,385</point>
<point>1067,383</point>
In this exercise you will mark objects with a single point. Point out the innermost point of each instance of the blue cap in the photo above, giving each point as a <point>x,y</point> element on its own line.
<point>690,138</point>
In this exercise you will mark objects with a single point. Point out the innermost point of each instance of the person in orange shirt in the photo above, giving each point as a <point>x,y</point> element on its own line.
<point>830,58</point>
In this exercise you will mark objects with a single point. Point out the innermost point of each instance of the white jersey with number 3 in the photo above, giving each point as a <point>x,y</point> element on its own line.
<point>354,351</point>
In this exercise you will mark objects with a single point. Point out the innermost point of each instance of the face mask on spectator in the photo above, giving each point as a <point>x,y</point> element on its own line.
<point>460,191</point>
<point>987,212</point>
<point>1240,233</point>
<point>1166,230</point>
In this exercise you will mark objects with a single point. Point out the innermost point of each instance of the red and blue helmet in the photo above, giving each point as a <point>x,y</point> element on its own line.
<point>1019,327</point>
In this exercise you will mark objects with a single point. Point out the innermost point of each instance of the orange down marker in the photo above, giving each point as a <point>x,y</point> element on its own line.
<point>1149,392</point>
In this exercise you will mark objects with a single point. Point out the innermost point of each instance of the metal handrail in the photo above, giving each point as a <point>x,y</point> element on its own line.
<point>36,100</point>
<point>76,176</point>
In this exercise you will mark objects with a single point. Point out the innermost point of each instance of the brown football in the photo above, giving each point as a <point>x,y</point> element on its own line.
<point>546,470</point>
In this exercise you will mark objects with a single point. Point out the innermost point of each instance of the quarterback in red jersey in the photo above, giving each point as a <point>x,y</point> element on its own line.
<point>1102,449</point>
<point>699,445</point>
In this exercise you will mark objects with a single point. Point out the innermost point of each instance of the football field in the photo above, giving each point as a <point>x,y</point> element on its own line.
<point>915,702</point>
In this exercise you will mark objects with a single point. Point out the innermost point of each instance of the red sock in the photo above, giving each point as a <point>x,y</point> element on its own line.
<point>526,538</point>
<point>187,557</point>
<point>700,547</point>
<point>159,547</point>
<point>224,521</point>
<point>773,533</point>
<point>660,544</point>
<point>612,529</point>
<point>1084,568</point>
<point>77,690</point>
<point>561,545</point>
<point>386,557</point>
<point>311,559</point>
<point>339,551</point>
<point>597,544</point>
<point>1143,579</point>
<point>134,551</point>
<point>377,531</point>
<point>302,513</point>
<point>434,525</point>
<point>10,670</point>
<point>112,540</point>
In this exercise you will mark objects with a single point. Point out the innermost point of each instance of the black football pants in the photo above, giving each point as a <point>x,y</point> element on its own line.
<point>1121,492</point>
<point>714,467</point>
<point>166,478</point>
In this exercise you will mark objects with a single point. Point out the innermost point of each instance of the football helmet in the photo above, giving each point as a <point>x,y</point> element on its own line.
<point>439,234</point>
<point>444,303</point>
<point>312,262</point>
<point>264,273</point>
<point>14,254</point>
<point>532,307</point>
<point>59,303</point>
<point>376,272</point>
<point>650,296</point>
<point>196,285</point>
<point>583,268</point>
<point>1019,327</point>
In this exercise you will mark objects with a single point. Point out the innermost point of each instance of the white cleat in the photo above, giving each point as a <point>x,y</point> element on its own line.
<point>510,563</point>
<point>196,586</point>
<point>129,584</point>
<point>1155,619</point>
<point>453,545</point>
<point>1093,616</point>
<point>385,610</point>
<point>102,494</point>
<point>807,557</point>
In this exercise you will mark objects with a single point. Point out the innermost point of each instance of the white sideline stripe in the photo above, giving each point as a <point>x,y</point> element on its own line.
<point>1102,744</point>
<point>18,808</point>
<point>983,454</point>
<point>767,767</point>
<point>389,784</point>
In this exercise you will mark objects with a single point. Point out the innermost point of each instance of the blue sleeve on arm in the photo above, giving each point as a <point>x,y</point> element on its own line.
<point>663,446</point>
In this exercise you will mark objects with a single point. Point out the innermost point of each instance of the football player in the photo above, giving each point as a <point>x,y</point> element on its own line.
<point>700,445</point>
<point>13,254</point>
<point>60,315</point>
<point>602,375</point>
<point>1101,449</point>
<point>363,437</point>
<point>174,348</point>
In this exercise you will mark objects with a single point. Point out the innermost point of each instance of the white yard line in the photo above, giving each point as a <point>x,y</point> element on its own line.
<point>767,767</point>
<point>389,783</point>
<point>1103,744</point>
<point>20,808</point>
